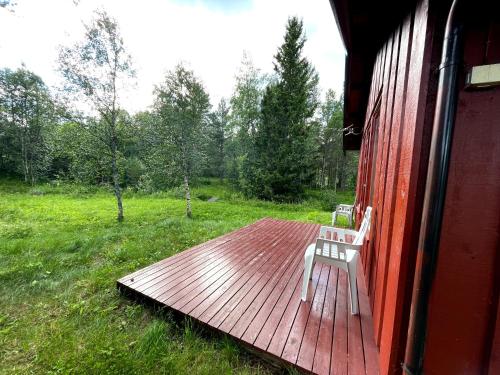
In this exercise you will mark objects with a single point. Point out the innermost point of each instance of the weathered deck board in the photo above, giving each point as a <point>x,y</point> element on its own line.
<point>247,284</point>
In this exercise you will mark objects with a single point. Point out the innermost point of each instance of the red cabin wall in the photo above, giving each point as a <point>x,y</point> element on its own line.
<point>463,323</point>
<point>463,333</point>
<point>399,100</point>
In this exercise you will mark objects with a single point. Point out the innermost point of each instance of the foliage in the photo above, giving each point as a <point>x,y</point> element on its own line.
<point>244,120</point>
<point>94,70</point>
<point>336,168</point>
<point>61,252</point>
<point>271,140</point>
<point>26,118</point>
<point>216,141</point>
<point>182,108</point>
<point>285,152</point>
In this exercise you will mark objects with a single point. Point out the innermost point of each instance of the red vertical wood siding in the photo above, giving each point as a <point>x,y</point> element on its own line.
<point>463,327</point>
<point>399,89</point>
<point>463,324</point>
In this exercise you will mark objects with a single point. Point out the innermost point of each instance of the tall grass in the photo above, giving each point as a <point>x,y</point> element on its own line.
<point>61,252</point>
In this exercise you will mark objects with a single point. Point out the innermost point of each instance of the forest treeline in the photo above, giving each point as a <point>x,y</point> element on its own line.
<point>272,139</point>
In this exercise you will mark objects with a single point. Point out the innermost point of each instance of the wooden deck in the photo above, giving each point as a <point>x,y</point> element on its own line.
<point>247,284</point>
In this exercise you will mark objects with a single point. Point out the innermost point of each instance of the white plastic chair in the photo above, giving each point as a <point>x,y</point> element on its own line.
<point>345,210</point>
<point>338,253</point>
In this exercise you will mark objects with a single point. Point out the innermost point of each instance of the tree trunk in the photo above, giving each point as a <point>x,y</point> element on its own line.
<point>188,197</point>
<point>116,181</point>
<point>24,156</point>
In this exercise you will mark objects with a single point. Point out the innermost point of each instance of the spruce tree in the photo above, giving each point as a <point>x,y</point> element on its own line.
<point>284,149</point>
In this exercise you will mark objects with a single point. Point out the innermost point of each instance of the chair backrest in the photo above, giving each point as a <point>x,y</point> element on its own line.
<point>344,209</point>
<point>364,227</point>
<point>330,250</point>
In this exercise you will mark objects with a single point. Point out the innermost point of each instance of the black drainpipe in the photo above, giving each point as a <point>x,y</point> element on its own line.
<point>435,189</point>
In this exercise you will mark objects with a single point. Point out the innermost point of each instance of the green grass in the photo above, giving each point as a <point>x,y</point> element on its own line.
<point>61,252</point>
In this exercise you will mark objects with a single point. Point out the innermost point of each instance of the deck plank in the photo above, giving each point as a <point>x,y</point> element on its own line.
<point>339,344</point>
<point>239,303</point>
<point>216,298</point>
<point>247,284</point>
<point>166,263</point>
<point>215,261</point>
<point>218,310</point>
<point>356,360</point>
<point>370,351</point>
<point>263,302</point>
<point>304,356</point>
<point>296,311</point>
<point>322,355</point>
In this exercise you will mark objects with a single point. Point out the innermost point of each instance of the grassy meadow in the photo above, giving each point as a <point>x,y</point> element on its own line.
<point>61,252</point>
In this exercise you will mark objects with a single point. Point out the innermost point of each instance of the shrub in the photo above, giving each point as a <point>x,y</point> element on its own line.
<point>328,200</point>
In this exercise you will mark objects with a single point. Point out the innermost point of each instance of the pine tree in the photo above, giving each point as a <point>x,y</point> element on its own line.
<point>284,146</point>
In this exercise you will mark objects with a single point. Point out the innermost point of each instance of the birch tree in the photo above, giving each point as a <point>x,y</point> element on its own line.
<point>183,106</point>
<point>96,70</point>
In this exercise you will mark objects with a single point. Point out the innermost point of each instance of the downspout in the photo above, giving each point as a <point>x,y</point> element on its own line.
<point>435,189</point>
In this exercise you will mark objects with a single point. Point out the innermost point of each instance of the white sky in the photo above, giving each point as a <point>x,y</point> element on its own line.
<point>210,35</point>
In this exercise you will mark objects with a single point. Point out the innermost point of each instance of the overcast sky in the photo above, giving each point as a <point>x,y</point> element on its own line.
<point>210,35</point>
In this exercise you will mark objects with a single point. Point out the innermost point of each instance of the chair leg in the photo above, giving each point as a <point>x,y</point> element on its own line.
<point>353,287</point>
<point>308,265</point>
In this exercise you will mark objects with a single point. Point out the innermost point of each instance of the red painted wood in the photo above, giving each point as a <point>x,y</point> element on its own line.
<point>397,191</point>
<point>243,280</point>
<point>183,275</point>
<point>395,148</point>
<point>193,283</point>
<point>226,285</point>
<point>268,317</point>
<point>264,304</point>
<point>152,277</point>
<point>305,357</point>
<point>494,365</point>
<point>281,254</point>
<point>368,252</point>
<point>355,345</point>
<point>461,323</point>
<point>382,214</point>
<point>323,351</point>
<point>338,362</point>
<point>384,131</point>
<point>253,293</point>
<point>248,303</point>
<point>371,254</point>
<point>370,352</point>
<point>143,272</point>
<point>193,295</point>
<point>409,198</point>
<point>296,311</point>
